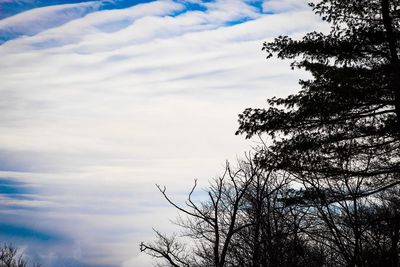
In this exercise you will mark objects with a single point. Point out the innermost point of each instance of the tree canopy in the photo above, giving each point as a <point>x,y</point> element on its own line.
<point>351,105</point>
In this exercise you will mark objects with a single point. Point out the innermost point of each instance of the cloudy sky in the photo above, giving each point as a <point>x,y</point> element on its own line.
<point>101,100</point>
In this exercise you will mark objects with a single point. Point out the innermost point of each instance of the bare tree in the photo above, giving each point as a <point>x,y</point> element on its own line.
<point>243,222</point>
<point>11,257</point>
<point>338,202</point>
<point>211,224</point>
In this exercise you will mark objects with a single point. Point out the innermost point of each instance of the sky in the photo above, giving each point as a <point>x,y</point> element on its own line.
<point>101,100</point>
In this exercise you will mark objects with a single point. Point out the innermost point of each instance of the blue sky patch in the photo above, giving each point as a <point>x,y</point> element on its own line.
<point>15,189</point>
<point>16,232</point>
<point>12,8</point>
<point>8,187</point>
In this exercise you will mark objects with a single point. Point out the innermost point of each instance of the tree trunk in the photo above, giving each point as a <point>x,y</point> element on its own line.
<point>394,57</point>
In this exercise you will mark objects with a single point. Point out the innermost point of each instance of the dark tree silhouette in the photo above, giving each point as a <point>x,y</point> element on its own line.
<point>213,223</point>
<point>244,222</point>
<point>382,229</point>
<point>340,134</point>
<point>351,105</point>
<point>10,257</point>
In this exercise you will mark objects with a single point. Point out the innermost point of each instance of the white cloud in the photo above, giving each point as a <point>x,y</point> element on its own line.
<point>145,22</point>
<point>278,6</point>
<point>36,20</point>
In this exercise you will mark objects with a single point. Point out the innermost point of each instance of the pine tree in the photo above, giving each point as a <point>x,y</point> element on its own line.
<point>345,121</point>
